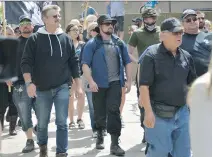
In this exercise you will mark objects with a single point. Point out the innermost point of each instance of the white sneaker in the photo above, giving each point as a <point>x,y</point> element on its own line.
<point>143,149</point>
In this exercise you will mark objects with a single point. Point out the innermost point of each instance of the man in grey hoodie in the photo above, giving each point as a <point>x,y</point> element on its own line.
<point>50,57</point>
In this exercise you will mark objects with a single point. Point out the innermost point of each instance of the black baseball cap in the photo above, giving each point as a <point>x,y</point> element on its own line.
<point>24,17</point>
<point>188,12</point>
<point>105,18</point>
<point>171,25</point>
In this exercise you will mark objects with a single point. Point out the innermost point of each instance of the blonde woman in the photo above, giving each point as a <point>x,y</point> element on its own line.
<point>89,19</point>
<point>200,103</point>
<point>73,32</point>
<point>208,26</point>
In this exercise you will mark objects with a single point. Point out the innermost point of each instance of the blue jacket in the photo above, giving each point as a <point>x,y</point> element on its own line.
<point>94,56</point>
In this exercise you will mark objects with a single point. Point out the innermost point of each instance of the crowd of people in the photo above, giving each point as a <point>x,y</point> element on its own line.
<point>90,58</point>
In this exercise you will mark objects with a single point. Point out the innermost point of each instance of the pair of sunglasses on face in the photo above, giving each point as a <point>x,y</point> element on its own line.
<point>108,24</point>
<point>24,23</point>
<point>188,20</point>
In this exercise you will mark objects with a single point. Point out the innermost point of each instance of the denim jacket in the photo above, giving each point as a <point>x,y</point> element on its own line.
<point>94,56</point>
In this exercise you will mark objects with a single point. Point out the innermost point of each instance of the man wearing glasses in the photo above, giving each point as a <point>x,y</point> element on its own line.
<point>23,103</point>
<point>107,56</point>
<point>49,57</point>
<point>165,72</point>
<point>196,42</point>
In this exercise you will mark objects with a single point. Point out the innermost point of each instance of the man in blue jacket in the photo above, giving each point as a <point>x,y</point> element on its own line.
<point>107,56</point>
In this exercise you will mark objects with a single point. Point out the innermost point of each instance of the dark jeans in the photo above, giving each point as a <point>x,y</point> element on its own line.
<point>106,105</point>
<point>44,101</point>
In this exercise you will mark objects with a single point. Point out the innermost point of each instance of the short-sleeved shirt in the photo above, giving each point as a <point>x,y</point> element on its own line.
<point>143,39</point>
<point>117,8</point>
<point>90,11</point>
<point>78,49</point>
<point>166,75</point>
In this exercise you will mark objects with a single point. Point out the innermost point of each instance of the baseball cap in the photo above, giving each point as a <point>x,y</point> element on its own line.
<point>24,17</point>
<point>106,18</point>
<point>137,19</point>
<point>171,25</point>
<point>149,12</point>
<point>188,12</point>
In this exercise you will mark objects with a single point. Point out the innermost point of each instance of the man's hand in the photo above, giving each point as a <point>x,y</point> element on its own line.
<point>31,90</point>
<point>9,83</point>
<point>149,119</point>
<point>128,86</point>
<point>93,86</point>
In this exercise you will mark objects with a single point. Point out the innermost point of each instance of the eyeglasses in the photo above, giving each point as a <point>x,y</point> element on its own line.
<point>200,18</point>
<point>188,20</point>
<point>56,16</point>
<point>108,24</point>
<point>25,23</point>
<point>74,30</point>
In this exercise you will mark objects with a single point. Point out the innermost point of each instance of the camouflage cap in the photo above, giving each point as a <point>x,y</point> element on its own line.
<point>149,13</point>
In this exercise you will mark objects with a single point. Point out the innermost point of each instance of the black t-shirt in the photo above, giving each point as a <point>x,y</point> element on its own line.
<point>200,47</point>
<point>22,42</point>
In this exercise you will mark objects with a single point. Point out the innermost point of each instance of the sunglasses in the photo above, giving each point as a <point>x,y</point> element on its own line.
<point>108,24</point>
<point>25,23</point>
<point>188,20</point>
<point>56,16</point>
<point>201,18</point>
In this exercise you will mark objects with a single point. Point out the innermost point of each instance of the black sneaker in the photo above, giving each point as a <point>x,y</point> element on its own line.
<point>81,124</point>
<point>29,146</point>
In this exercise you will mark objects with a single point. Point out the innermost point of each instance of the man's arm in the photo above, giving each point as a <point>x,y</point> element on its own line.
<point>28,58</point>
<point>87,56</point>
<point>133,42</point>
<point>27,64</point>
<point>192,72</point>
<point>145,81</point>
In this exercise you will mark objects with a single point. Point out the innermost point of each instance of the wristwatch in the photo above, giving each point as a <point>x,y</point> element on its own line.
<point>28,83</point>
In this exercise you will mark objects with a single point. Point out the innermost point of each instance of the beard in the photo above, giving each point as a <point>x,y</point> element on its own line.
<point>201,25</point>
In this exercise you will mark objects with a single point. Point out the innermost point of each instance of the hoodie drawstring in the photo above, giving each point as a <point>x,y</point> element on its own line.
<point>59,45</point>
<point>50,45</point>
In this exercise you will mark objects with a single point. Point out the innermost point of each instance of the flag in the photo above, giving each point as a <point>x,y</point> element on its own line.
<point>14,9</point>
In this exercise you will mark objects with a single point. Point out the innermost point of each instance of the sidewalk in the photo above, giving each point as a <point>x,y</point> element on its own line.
<point>81,144</point>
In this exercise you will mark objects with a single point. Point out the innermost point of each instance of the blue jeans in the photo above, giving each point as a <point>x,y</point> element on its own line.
<point>44,101</point>
<point>24,105</point>
<point>91,109</point>
<point>170,136</point>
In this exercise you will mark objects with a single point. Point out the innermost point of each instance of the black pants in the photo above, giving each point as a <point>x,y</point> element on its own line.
<point>141,108</point>
<point>6,100</point>
<point>106,104</point>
